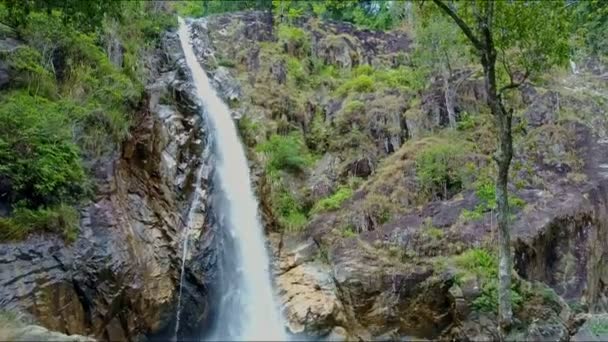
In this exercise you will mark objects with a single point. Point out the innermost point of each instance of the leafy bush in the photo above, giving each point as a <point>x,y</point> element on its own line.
<point>334,201</point>
<point>26,63</point>
<point>286,153</point>
<point>295,40</point>
<point>439,169</point>
<point>359,84</point>
<point>41,163</point>
<point>288,211</point>
<point>295,70</point>
<point>61,219</point>
<point>486,193</point>
<point>484,266</point>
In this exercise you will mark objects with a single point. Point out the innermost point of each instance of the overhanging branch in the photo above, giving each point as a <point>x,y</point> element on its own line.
<point>463,26</point>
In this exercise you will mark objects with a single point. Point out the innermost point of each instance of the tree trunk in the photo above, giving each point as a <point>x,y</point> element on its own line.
<point>503,156</point>
<point>449,95</point>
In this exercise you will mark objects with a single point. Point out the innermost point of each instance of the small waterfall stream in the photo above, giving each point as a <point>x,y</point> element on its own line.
<point>247,309</point>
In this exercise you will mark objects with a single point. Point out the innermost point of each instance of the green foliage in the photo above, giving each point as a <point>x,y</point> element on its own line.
<point>334,201</point>
<point>486,194</point>
<point>41,163</point>
<point>439,168</point>
<point>285,153</point>
<point>249,130</point>
<point>289,212</point>
<point>483,265</point>
<point>467,122</point>
<point>295,39</point>
<point>84,15</point>
<point>295,71</point>
<point>599,325</point>
<point>68,101</point>
<point>318,137</point>
<point>61,219</point>
<point>27,65</point>
<point>590,20</point>
<point>348,231</point>
<point>359,84</point>
<point>203,8</point>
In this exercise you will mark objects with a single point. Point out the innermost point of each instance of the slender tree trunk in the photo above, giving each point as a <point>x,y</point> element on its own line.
<point>449,99</point>
<point>503,156</point>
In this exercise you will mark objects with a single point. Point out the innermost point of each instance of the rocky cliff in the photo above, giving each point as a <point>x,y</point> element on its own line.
<point>391,261</point>
<point>118,280</point>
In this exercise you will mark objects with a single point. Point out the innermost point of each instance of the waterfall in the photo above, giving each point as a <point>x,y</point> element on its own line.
<point>248,310</point>
<point>185,240</point>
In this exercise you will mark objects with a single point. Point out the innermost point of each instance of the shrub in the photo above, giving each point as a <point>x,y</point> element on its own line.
<point>288,211</point>
<point>352,116</point>
<point>295,70</point>
<point>249,130</point>
<point>295,40</point>
<point>484,266</point>
<point>359,84</point>
<point>439,169</point>
<point>42,163</point>
<point>486,193</point>
<point>30,73</point>
<point>286,153</point>
<point>334,201</point>
<point>61,219</point>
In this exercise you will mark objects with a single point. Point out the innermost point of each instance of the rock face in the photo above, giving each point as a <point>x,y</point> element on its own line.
<point>118,280</point>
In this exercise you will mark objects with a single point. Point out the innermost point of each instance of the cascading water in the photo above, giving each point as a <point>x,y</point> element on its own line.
<point>185,244</point>
<point>247,310</point>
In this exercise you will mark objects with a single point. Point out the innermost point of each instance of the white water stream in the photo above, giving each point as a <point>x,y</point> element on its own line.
<point>248,310</point>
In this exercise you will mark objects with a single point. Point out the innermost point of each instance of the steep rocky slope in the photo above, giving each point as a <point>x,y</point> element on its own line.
<point>119,279</point>
<point>388,261</point>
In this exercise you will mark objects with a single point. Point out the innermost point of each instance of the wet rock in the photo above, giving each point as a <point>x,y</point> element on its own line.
<point>227,84</point>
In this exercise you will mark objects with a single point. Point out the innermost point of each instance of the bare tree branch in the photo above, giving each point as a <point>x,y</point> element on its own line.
<point>512,84</point>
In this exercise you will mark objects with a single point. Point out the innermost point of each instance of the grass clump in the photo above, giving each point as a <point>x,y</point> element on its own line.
<point>486,194</point>
<point>61,219</point>
<point>334,201</point>
<point>483,265</point>
<point>289,212</point>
